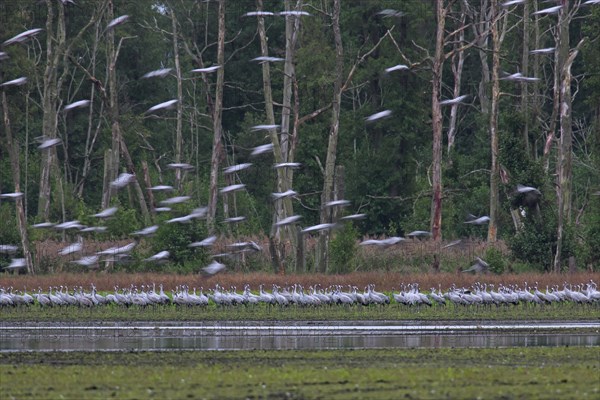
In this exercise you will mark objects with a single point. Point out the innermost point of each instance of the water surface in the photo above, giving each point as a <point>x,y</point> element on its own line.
<point>123,336</point>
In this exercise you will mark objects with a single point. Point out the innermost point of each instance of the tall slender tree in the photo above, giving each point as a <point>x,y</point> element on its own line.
<point>55,46</point>
<point>334,129</point>
<point>13,151</point>
<point>179,122</point>
<point>217,113</point>
<point>282,208</point>
<point>436,117</point>
<point>494,105</point>
<point>564,164</point>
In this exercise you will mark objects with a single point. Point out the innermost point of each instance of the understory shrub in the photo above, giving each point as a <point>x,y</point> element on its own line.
<point>342,249</point>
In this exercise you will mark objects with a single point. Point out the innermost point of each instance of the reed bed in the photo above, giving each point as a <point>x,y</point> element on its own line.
<point>409,256</point>
<point>382,280</point>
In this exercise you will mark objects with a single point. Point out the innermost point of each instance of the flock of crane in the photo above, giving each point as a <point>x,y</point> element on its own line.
<point>410,295</point>
<point>119,253</point>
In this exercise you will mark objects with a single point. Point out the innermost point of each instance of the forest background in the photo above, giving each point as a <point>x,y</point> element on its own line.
<point>426,166</point>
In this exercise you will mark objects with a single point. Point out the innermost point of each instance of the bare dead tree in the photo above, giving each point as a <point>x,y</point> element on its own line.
<point>436,117</point>
<point>458,62</point>
<point>536,97</point>
<point>283,207</point>
<point>495,169</point>
<point>179,123</point>
<point>93,128</point>
<point>330,162</point>
<point>58,51</point>
<point>13,151</point>
<point>525,69</point>
<point>481,29</point>
<point>564,163</point>
<point>115,126</point>
<point>112,169</point>
<point>55,43</point>
<point>217,147</point>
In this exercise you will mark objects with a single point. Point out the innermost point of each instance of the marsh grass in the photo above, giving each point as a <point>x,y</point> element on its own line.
<point>503,373</point>
<point>383,280</point>
<point>409,256</point>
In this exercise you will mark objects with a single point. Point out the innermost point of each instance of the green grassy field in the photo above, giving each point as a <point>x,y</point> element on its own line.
<point>261,312</point>
<point>513,373</point>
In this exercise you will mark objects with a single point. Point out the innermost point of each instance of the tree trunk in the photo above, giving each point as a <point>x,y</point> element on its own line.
<point>106,176</point>
<point>148,184</point>
<point>561,109</point>
<point>300,258</point>
<point>564,164</point>
<point>118,145</point>
<point>525,69</point>
<point>495,169</point>
<point>457,70</point>
<point>285,175</point>
<point>328,182</point>
<point>113,110</point>
<point>536,94</point>
<point>217,147</point>
<point>560,55</point>
<point>55,41</point>
<point>436,116</point>
<point>481,32</point>
<point>136,182</point>
<point>278,206</point>
<point>282,149</point>
<point>178,129</point>
<point>13,151</point>
<point>91,139</point>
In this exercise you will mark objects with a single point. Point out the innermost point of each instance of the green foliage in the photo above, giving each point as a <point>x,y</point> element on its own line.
<point>175,239</point>
<point>342,249</point>
<point>9,234</point>
<point>590,57</point>
<point>496,260</point>
<point>589,244</point>
<point>125,221</point>
<point>534,244</point>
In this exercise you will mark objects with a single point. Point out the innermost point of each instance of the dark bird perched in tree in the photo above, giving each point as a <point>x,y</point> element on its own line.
<point>526,196</point>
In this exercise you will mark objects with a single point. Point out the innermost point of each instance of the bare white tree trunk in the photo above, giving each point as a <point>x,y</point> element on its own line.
<point>457,70</point>
<point>564,164</point>
<point>92,129</point>
<point>481,30</point>
<point>560,55</point>
<point>55,43</point>
<point>495,169</point>
<point>179,126</point>
<point>525,70</point>
<point>112,170</point>
<point>217,147</point>
<point>279,208</point>
<point>13,151</point>
<point>436,114</point>
<point>330,166</point>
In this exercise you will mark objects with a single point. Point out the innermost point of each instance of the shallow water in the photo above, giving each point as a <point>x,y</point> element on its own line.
<point>121,336</point>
